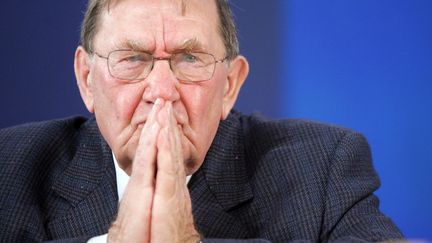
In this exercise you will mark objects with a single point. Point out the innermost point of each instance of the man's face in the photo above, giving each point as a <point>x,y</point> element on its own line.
<point>161,28</point>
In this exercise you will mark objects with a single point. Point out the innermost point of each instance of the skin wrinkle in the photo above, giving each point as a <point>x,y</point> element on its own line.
<point>183,6</point>
<point>188,44</point>
<point>225,27</point>
<point>198,107</point>
<point>159,129</point>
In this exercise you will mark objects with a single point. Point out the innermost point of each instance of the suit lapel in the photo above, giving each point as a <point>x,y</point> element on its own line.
<point>88,185</point>
<point>220,187</point>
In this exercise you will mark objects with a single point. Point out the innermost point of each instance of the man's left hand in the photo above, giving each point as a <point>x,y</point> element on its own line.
<point>172,219</point>
<point>156,206</point>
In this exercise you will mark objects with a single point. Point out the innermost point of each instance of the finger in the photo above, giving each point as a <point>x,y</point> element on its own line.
<point>176,143</point>
<point>171,212</point>
<point>166,176</point>
<point>144,165</point>
<point>133,222</point>
<point>167,157</point>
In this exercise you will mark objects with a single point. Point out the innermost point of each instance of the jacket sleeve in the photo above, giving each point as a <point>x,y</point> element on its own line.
<point>351,210</point>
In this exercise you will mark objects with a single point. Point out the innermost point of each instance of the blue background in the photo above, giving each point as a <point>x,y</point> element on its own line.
<point>363,64</point>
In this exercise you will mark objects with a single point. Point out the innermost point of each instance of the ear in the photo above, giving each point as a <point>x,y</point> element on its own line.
<point>83,77</point>
<point>238,71</point>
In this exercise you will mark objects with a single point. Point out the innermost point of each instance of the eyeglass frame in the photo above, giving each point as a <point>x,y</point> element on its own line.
<point>169,59</point>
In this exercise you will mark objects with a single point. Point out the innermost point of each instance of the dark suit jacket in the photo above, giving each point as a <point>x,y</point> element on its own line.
<point>282,181</point>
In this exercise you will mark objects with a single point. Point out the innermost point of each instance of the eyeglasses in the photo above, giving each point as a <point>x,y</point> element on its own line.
<point>133,66</point>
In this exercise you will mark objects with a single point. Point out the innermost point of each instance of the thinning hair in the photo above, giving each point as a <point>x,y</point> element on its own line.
<point>226,28</point>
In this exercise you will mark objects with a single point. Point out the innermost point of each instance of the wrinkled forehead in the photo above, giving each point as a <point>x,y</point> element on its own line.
<point>205,9</point>
<point>174,5</point>
<point>146,21</point>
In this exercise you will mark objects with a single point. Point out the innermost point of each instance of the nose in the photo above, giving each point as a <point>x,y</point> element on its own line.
<point>161,83</point>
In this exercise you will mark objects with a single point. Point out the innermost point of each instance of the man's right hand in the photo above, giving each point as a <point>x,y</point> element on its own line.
<point>156,205</point>
<point>134,215</point>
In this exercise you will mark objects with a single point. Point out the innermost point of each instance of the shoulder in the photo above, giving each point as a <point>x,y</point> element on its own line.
<point>33,159</point>
<point>34,153</point>
<point>313,177</point>
<point>296,133</point>
<point>42,127</point>
<point>38,135</point>
<point>34,128</point>
<point>296,149</point>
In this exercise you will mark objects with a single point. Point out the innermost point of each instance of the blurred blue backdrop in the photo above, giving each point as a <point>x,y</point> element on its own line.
<point>363,64</point>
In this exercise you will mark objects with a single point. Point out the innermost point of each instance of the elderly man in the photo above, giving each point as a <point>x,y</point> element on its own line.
<point>161,78</point>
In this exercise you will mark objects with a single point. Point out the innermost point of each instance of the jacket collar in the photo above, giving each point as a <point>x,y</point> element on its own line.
<point>91,161</point>
<point>224,168</point>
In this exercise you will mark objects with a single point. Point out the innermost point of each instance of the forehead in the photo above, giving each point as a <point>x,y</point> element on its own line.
<point>150,23</point>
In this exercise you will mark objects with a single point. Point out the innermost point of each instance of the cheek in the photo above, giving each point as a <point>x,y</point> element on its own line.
<point>203,103</point>
<point>126,101</point>
<point>116,101</point>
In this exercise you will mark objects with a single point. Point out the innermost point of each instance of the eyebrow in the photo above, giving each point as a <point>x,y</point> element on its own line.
<point>191,45</point>
<point>131,44</point>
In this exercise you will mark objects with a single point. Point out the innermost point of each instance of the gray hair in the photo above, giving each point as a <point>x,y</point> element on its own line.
<point>227,28</point>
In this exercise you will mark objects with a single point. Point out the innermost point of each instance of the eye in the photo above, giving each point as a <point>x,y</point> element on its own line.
<point>189,57</point>
<point>134,58</point>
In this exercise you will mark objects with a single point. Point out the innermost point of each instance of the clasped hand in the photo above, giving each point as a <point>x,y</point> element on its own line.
<point>156,205</point>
